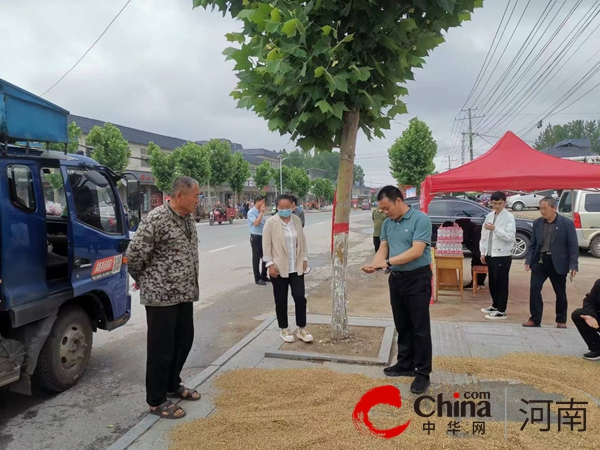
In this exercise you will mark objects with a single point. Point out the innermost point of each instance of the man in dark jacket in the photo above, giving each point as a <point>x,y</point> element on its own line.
<point>553,253</point>
<point>586,320</point>
<point>297,211</point>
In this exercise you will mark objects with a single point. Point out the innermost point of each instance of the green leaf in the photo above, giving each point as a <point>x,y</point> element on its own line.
<point>235,37</point>
<point>348,38</point>
<point>319,71</point>
<point>276,15</point>
<point>274,54</point>
<point>464,17</point>
<point>303,71</point>
<point>289,28</point>
<point>478,3</point>
<point>448,5</point>
<point>271,27</point>
<point>245,14</point>
<point>327,30</point>
<point>304,117</point>
<point>338,109</point>
<point>338,84</point>
<point>407,25</point>
<point>399,108</point>
<point>276,124</point>
<point>360,74</point>
<point>324,106</point>
<point>230,51</point>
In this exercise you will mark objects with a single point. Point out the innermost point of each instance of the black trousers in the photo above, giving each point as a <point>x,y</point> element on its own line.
<point>257,254</point>
<point>499,270</point>
<point>170,338</point>
<point>410,293</point>
<point>280,292</point>
<point>539,274</point>
<point>476,261</point>
<point>376,243</point>
<point>589,335</point>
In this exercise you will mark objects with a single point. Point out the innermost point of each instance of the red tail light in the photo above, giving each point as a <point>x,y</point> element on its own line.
<point>577,220</point>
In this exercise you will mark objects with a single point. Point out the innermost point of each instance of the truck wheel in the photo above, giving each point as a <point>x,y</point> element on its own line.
<point>595,247</point>
<point>66,352</point>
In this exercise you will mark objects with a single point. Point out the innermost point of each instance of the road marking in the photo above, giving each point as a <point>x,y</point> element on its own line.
<point>321,223</point>
<point>219,249</point>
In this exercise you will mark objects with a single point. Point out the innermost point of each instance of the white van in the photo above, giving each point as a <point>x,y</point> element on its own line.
<point>583,208</point>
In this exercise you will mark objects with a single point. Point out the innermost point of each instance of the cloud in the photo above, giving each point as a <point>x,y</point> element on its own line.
<point>160,68</point>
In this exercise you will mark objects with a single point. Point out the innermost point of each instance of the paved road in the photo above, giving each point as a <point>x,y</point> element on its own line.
<point>110,397</point>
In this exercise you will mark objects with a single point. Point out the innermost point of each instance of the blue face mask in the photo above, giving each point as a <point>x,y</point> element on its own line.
<point>285,212</point>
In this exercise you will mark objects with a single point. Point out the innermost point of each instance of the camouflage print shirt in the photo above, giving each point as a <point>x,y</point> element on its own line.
<point>163,258</point>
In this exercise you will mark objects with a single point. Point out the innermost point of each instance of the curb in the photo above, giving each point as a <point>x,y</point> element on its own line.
<point>144,425</point>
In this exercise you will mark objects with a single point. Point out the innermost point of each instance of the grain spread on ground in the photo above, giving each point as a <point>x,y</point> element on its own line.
<point>312,408</point>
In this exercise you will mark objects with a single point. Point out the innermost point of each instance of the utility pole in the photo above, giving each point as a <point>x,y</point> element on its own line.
<point>449,163</point>
<point>470,132</point>
<point>462,151</point>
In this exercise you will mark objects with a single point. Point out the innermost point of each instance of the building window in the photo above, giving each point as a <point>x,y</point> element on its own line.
<point>144,159</point>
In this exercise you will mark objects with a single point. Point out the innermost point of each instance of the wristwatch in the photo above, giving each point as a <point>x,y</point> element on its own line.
<point>387,261</point>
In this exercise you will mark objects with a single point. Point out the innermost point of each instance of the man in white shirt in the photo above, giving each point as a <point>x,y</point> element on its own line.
<point>496,245</point>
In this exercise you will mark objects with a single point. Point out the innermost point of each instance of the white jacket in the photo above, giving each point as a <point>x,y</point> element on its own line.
<point>503,236</point>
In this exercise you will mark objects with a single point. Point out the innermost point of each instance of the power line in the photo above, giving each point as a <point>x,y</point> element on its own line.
<point>88,50</point>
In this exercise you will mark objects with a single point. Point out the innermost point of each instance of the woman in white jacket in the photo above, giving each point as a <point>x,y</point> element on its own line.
<point>496,245</point>
<point>284,252</point>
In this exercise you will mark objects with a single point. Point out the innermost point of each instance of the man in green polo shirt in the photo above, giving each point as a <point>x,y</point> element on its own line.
<point>406,235</point>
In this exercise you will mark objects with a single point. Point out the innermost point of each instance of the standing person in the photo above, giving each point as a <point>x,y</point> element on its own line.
<point>553,252</point>
<point>163,261</point>
<point>406,235</point>
<point>471,238</point>
<point>296,210</point>
<point>284,249</point>
<point>586,320</point>
<point>256,223</point>
<point>496,245</point>
<point>378,217</point>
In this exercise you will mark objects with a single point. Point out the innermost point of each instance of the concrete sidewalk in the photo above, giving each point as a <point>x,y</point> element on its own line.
<point>487,340</point>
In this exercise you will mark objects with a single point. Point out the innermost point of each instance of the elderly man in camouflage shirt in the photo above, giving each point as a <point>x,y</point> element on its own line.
<point>163,261</point>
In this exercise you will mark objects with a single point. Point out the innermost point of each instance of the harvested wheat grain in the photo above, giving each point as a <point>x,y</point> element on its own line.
<point>312,408</point>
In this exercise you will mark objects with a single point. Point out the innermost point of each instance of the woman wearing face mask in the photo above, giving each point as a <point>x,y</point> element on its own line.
<point>284,251</point>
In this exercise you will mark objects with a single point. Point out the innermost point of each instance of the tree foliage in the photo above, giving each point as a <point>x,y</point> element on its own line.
<point>163,167</point>
<point>359,175</point>
<point>576,129</point>
<point>303,65</point>
<point>193,160</point>
<point>263,175</point>
<point>411,156</point>
<point>284,176</point>
<point>74,134</point>
<point>327,161</point>
<point>323,189</point>
<point>300,182</point>
<point>110,147</point>
<point>240,172</point>
<point>220,161</point>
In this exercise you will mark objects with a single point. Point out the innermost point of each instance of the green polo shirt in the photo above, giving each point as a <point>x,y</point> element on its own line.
<point>414,226</point>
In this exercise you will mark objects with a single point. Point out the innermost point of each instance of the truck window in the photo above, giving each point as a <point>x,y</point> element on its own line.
<point>565,205</point>
<point>95,202</point>
<point>53,186</point>
<point>592,202</point>
<point>20,182</point>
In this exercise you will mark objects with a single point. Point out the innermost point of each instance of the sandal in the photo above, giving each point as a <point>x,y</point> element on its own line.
<point>185,394</point>
<point>167,411</point>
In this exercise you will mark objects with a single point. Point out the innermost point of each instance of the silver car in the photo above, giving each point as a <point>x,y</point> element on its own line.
<point>583,208</point>
<point>519,202</point>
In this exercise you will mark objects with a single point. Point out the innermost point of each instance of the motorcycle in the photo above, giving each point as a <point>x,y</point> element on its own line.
<point>218,217</point>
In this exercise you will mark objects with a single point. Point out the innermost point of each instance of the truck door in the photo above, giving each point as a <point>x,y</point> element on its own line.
<point>99,236</point>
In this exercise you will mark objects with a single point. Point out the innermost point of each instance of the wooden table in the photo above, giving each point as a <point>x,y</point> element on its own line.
<point>449,274</point>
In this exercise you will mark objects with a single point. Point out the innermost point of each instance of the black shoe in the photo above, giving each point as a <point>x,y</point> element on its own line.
<point>266,280</point>
<point>398,370</point>
<point>592,356</point>
<point>261,283</point>
<point>468,286</point>
<point>420,384</point>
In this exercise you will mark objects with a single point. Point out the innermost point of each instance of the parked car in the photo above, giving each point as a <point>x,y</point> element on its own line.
<point>583,208</point>
<point>470,216</point>
<point>519,202</point>
<point>366,205</point>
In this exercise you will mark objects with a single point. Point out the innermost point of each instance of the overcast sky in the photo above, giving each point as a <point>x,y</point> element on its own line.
<point>159,68</point>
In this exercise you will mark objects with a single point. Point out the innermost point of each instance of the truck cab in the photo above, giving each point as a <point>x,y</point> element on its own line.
<point>63,235</point>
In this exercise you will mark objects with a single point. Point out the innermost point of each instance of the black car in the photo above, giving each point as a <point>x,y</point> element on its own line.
<point>470,216</point>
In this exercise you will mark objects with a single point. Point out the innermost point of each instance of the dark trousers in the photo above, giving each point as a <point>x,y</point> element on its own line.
<point>539,274</point>
<point>410,293</point>
<point>280,292</point>
<point>376,243</point>
<point>589,335</point>
<point>257,254</point>
<point>499,269</point>
<point>476,261</point>
<point>170,338</point>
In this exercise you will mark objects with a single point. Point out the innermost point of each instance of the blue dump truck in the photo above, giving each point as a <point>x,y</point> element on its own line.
<point>64,229</point>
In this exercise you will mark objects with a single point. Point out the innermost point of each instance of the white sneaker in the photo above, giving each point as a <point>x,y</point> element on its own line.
<point>489,310</point>
<point>496,315</point>
<point>304,335</point>
<point>286,335</point>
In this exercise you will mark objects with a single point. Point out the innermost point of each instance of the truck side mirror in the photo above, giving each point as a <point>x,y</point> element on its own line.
<point>132,201</point>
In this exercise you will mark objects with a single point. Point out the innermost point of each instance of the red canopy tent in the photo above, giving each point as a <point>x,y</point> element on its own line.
<point>511,165</point>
